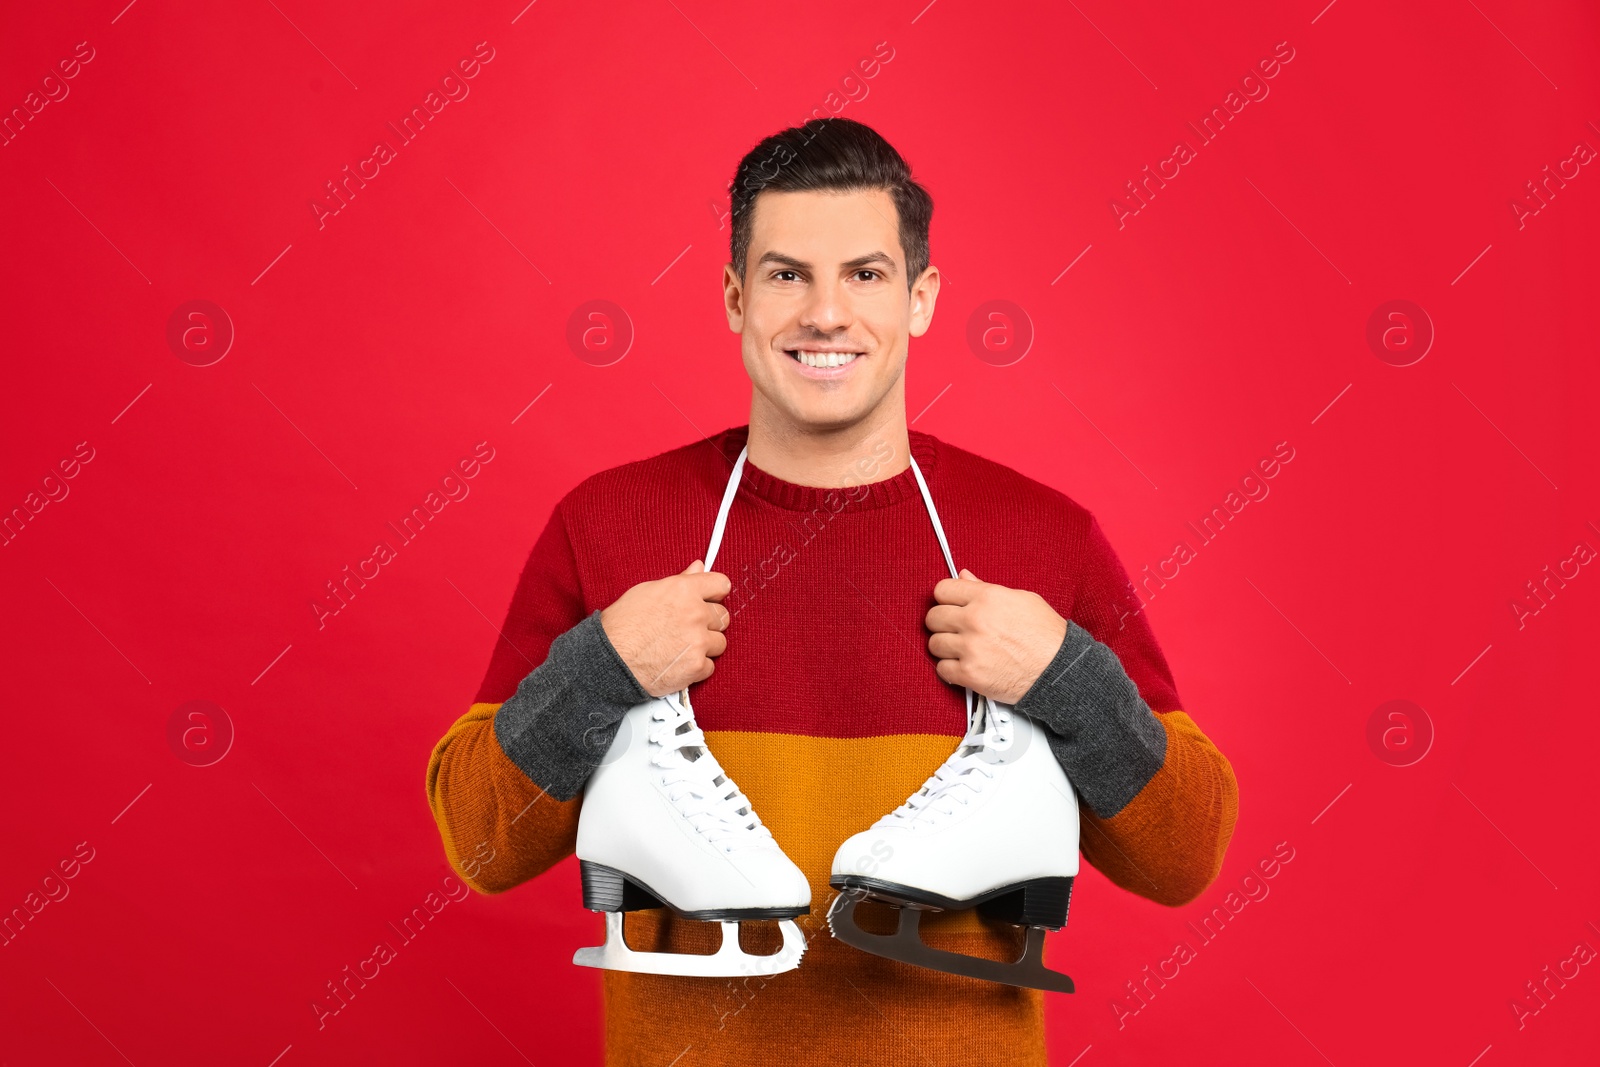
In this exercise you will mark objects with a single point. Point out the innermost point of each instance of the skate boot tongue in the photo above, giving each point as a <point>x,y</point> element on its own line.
<point>964,775</point>
<point>992,729</point>
<point>695,783</point>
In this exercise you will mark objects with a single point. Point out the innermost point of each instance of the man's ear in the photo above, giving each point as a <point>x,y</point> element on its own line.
<point>924,294</point>
<point>733,298</point>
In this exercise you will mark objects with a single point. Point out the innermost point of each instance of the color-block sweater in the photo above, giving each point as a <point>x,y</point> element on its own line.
<point>827,711</point>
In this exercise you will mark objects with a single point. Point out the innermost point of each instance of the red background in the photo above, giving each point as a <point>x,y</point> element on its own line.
<point>591,161</point>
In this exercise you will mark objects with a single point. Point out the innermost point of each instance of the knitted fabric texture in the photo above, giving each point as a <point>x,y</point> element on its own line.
<point>827,711</point>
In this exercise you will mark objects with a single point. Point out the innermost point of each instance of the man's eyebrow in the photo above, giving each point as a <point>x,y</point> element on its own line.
<point>879,259</point>
<point>871,258</point>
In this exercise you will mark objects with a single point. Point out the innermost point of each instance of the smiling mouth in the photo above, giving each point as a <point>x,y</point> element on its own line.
<point>821,360</point>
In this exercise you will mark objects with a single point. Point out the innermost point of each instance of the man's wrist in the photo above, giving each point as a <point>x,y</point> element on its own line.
<point>1062,631</point>
<point>1106,737</point>
<point>558,725</point>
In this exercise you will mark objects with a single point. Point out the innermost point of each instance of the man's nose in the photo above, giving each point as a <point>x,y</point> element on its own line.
<point>827,308</point>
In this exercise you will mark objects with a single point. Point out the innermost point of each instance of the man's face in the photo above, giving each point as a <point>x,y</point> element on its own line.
<point>825,280</point>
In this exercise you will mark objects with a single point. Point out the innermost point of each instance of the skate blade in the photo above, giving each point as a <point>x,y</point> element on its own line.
<point>906,945</point>
<point>729,961</point>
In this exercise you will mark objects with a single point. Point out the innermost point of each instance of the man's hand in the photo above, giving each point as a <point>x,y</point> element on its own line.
<point>668,630</point>
<point>991,639</point>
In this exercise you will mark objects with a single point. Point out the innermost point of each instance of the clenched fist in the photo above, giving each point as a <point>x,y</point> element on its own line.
<point>667,631</point>
<point>992,639</point>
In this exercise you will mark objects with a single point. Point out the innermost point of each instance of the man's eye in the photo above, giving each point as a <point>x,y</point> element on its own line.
<point>871,272</point>
<point>780,274</point>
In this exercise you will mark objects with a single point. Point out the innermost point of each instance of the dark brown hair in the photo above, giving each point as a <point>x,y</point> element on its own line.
<point>837,154</point>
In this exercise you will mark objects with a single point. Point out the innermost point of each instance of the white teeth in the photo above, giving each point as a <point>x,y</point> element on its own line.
<point>826,359</point>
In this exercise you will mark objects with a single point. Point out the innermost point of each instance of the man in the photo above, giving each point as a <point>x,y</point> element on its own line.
<point>840,644</point>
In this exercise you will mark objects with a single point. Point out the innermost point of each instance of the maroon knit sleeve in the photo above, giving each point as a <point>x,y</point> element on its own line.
<point>547,602</point>
<point>1107,606</point>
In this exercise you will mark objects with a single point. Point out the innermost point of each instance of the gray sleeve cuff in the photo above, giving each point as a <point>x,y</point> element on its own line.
<point>564,714</point>
<point>1102,732</point>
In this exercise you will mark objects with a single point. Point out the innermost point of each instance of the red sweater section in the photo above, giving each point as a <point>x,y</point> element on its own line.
<point>831,586</point>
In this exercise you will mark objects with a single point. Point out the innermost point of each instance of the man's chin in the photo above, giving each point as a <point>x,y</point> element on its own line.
<point>814,407</point>
<point>807,416</point>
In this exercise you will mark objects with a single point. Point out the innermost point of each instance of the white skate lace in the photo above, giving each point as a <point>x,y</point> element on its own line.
<point>962,777</point>
<point>713,805</point>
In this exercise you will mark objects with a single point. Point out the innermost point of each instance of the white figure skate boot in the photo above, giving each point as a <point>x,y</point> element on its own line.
<point>996,828</point>
<point>662,825</point>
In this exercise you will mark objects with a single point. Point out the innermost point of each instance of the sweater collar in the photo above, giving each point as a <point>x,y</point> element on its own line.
<point>792,497</point>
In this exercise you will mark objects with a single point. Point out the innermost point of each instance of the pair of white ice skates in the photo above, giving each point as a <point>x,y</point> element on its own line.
<point>996,827</point>
<point>662,825</point>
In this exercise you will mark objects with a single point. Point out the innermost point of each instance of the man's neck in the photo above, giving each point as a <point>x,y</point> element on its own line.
<point>872,450</point>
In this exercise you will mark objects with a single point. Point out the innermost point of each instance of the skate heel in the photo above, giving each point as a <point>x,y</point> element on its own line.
<point>1041,902</point>
<point>607,889</point>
